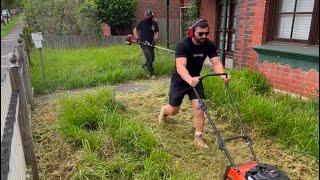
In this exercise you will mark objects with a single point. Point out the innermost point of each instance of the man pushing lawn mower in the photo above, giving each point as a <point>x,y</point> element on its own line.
<point>191,52</point>
<point>185,79</point>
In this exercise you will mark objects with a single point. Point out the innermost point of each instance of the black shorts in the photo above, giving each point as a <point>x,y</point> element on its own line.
<point>179,89</point>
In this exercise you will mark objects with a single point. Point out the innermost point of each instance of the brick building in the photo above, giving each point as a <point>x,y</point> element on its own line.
<point>278,38</point>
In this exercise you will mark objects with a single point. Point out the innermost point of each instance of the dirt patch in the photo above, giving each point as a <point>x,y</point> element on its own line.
<point>131,88</point>
<point>143,99</point>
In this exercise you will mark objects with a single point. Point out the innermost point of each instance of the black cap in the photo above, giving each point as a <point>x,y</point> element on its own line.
<point>149,13</point>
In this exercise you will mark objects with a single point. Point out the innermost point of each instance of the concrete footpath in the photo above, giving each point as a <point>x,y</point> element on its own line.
<point>7,45</point>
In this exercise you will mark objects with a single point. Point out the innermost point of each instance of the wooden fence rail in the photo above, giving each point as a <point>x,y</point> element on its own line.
<point>17,151</point>
<point>57,42</point>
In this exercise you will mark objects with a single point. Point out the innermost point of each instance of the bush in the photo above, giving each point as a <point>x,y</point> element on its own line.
<point>64,17</point>
<point>118,14</point>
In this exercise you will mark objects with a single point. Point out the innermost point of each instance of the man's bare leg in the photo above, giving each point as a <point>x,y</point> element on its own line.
<point>198,124</point>
<point>167,110</point>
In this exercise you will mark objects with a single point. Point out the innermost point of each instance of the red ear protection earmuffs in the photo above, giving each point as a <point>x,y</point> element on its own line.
<point>191,28</point>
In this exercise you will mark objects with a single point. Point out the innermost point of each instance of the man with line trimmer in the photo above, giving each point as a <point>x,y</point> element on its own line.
<point>147,31</point>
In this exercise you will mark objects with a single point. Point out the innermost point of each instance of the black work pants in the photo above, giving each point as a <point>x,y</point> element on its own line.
<point>148,52</point>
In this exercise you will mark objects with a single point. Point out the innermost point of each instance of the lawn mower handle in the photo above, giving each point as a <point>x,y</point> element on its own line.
<point>217,134</point>
<point>213,74</point>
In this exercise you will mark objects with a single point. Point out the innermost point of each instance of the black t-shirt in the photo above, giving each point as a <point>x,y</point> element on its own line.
<point>147,28</point>
<point>195,54</point>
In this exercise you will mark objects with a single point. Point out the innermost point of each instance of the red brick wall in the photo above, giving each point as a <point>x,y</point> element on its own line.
<point>296,81</point>
<point>251,32</point>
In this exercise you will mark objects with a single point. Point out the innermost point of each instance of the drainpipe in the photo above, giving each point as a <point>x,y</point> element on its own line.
<point>199,6</point>
<point>167,23</point>
<point>224,30</point>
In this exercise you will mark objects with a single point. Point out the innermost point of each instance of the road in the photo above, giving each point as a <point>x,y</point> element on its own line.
<point>7,45</point>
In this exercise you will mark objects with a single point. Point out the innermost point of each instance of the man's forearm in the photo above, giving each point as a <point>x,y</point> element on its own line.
<point>217,65</point>
<point>182,70</point>
<point>156,35</point>
<point>135,33</point>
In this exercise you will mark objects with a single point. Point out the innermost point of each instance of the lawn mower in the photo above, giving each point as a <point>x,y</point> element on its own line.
<point>131,40</point>
<point>253,170</point>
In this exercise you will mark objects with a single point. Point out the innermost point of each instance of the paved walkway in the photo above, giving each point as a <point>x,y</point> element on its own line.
<point>7,45</point>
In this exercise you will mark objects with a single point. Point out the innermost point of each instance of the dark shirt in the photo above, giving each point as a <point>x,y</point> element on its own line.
<point>195,54</point>
<point>147,28</point>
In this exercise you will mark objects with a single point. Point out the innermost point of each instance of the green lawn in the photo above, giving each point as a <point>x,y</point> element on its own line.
<point>87,67</point>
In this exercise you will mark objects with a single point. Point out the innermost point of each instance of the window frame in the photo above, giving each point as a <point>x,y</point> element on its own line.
<point>313,38</point>
<point>231,29</point>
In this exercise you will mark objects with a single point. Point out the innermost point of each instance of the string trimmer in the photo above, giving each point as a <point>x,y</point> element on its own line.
<point>131,40</point>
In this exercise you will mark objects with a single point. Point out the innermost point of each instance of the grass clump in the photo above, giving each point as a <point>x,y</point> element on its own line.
<point>119,148</point>
<point>87,67</point>
<point>292,121</point>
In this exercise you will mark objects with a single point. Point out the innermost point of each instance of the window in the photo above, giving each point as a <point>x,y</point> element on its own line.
<point>294,21</point>
<point>231,26</point>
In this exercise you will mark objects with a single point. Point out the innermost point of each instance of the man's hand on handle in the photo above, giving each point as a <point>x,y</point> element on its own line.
<point>194,81</point>
<point>226,79</point>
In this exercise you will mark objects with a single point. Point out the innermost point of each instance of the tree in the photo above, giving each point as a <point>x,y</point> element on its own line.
<point>9,4</point>
<point>63,17</point>
<point>118,14</point>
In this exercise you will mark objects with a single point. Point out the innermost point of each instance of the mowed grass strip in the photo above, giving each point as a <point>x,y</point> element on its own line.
<point>87,67</point>
<point>112,146</point>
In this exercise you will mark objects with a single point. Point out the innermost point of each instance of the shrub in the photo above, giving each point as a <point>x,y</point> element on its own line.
<point>118,14</point>
<point>63,17</point>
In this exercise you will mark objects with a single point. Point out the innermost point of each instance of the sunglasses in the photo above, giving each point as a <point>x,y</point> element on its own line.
<point>203,33</point>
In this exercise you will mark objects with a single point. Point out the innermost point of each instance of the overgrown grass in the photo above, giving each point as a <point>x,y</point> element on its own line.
<point>113,147</point>
<point>87,67</point>
<point>292,121</point>
<point>5,29</point>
